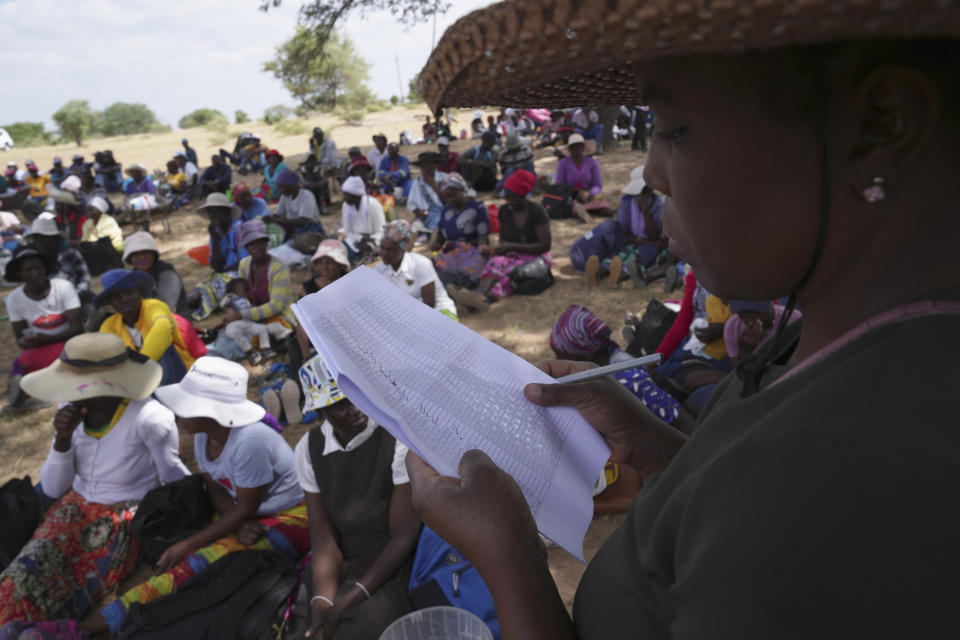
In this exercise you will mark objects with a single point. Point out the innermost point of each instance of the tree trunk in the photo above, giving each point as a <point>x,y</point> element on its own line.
<point>608,117</point>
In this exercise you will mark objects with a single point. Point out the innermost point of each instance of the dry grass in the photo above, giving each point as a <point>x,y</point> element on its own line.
<point>521,324</point>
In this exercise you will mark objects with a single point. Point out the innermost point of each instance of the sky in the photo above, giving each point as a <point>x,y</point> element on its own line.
<point>179,55</point>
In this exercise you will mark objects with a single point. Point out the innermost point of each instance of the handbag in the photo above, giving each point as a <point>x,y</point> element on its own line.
<point>652,328</point>
<point>532,277</point>
<point>170,513</point>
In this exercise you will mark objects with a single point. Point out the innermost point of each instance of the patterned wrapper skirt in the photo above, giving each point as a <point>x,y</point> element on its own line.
<point>499,268</point>
<point>80,551</point>
<point>464,257</point>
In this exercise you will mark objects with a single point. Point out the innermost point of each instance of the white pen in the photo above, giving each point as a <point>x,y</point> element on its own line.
<point>590,374</point>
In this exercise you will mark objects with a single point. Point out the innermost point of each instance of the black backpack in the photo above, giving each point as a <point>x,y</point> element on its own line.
<point>652,329</point>
<point>169,514</point>
<point>558,201</point>
<point>242,596</point>
<point>20,515</point>
<point>531,278</point>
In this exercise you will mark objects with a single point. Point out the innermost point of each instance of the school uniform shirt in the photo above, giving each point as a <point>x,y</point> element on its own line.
<point>303,206</point>
<point>138,453</point>
<point>308,479</point>
<point>46,316</point>
<point>415,272</point>
<point>253,456</point>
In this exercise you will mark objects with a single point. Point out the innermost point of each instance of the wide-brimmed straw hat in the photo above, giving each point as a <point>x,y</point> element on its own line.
<point>589,145</point>
<point>139,241</point>
<point>94,365</point>
<point>213,388</point>
<point>136,166</point>
<point>217,199</point>
<point>555,53</point>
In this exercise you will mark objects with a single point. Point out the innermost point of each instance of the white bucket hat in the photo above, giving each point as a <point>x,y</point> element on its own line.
<point>139,241</point>
<point>637,183</point>
<point>94,365</point>
<point>45,225</point>
<point>98,203</point>
<point>213,388</point>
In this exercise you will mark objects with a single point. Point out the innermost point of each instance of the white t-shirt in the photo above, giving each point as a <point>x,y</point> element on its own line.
<point>44,316</point>
<point>303,206</point>
<point>305,474</point>
<point>416,271</point>
<point>254,455</point>
<point>374,156</point>
<point>190,170</point>
<point>139,452</point>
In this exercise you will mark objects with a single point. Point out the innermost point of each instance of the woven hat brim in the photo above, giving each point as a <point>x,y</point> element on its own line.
<point>61,382</point>
<point>560,53</point>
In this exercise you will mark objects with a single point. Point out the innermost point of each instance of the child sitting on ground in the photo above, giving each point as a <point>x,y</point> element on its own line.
<point>240,331</point>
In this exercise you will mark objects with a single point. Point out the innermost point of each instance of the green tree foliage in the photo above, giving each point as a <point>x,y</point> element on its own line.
<point>199,118</point>
<point>321,82</point>
<point>413,95</point>
<point>75,120</point>
<point>124,118</point>
<point>27,134</point>
<point>276,113</point>
<point>320,17</point>
<point>240,116</point>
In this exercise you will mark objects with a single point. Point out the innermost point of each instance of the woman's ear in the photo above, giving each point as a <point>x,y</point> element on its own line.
<point>899,109</point>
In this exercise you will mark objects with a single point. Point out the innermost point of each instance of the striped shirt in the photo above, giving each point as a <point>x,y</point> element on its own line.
<point>281,293</point>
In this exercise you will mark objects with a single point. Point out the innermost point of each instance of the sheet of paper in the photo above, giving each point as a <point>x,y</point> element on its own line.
<point>443,390</point>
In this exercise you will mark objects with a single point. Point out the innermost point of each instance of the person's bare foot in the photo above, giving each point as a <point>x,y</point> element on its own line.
<point>616,270</point>
<point>591,268</point>
<point>469,298</point>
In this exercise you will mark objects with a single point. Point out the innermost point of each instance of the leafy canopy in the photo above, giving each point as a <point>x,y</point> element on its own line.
<point>75,120</point>
<point>123,118</point>
<point>199,118</point>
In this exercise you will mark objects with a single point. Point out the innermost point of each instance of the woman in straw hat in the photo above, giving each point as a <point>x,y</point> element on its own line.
<point>250,473</point>
<point>815,158</point>
<point>139,181</point>
<point>225,254</point>
<point>112,444</point>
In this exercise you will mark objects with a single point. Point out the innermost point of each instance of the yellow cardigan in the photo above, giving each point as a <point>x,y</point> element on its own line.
<point>157,327</point>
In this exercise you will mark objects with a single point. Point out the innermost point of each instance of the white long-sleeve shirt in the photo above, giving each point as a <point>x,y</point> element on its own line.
<point>139,452</point>
<point>376,221</point>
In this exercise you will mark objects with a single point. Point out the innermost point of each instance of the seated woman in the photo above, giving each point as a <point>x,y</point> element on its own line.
<point>250,474</point>
<point>412,272</point>
<point>582,173</point>
<point>141,254</point>
<point>250,207</point>
<point>112,444</point>
<point>225,254</point>
<point>424,199</point>
<point>275,166</point>
<point>361,226</point>
<point>464,229</point>
<point>524,236</point>
<point>68,208</point>
<point>271,287</point>
<point>145,325</point>
<point>44,313</point>
<point>580,335</point>
<point>100,224</point>
<point>139,182</point>
<point>363,525</point>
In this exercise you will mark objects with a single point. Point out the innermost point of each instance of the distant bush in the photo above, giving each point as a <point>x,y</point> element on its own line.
<point>276,113</point>
<point>354,117</point>
<point>199,118</point>
<point>28,134</point>
<point>377,106</point>
<point>124,118</point>
<point>394,100</point>
<point>291,127</point>
<point>240,116</point>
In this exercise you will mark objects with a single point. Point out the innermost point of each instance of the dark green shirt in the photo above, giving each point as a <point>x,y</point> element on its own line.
<point>825,506</point>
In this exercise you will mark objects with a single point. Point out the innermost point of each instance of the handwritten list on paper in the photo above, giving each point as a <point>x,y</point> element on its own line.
<point>444,390</point>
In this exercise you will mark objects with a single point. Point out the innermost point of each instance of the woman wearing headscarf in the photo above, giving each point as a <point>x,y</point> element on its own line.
<point>361,226</point>
<point>145,325</point>
<point>524,236</point>
<point>44,313</point>
<point>250,206</point>
<point>249,472</point>
<point>112,444</point>
<point>413,273</point>
<point>100,224</point>
<point>463,231</point>
<point>770,521</point>
<point>275,166</point>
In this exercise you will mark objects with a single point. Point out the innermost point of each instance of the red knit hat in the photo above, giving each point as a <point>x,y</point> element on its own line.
<point>521,182</point>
